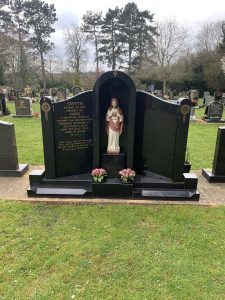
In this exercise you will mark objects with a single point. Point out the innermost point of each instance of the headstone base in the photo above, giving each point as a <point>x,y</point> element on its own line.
<point>143,187</point>
<point>113,163</point>
<point>210,177</point>
<point>23,168</point>
<point>22,116</point>
<point>213,120</point>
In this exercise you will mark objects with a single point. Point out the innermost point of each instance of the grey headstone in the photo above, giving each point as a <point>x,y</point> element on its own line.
<point>208,100</point>
<point>23,107</point>
<point>8,150</point>
<point>61,94</point>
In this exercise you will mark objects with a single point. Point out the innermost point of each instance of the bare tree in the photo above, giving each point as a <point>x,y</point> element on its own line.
<point>170,42</point>
<point>209,36</point>
<point>76,47</point>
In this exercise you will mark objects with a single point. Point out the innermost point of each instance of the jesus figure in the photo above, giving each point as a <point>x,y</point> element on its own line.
<point>114,121</point>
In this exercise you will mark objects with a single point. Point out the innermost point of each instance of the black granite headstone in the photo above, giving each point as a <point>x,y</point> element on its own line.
<point>218,171</point>
<point>2,102</point>
<point>9,165</point>
<point>152,141</point>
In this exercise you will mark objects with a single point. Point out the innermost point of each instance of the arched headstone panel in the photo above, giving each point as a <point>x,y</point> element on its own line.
<point>161,136</point>
<point>114,84</point>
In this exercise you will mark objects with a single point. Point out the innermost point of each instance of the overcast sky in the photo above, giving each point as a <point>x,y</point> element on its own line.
<point>191,13</point>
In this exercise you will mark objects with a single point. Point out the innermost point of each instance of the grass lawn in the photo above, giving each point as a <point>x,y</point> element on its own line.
<point>111,252</point>
<point>201,141</point>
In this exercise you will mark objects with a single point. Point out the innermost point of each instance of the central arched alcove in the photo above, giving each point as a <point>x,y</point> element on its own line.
<point>114,84</point>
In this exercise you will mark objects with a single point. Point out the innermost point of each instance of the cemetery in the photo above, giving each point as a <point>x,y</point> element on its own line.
<point>112,151</point>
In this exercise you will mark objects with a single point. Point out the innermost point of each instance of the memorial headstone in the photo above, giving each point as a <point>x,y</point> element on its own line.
<point>76,90</point>
<point>218,96</point>
<point>12,95</point>
<point>218,170</point>
<point>23,108</point>
<point>2,102</point>
<point>9,165</point>
<point>61,94</point>
<point>223,98</point>
<point>54,92</point>
<point>208,100</point>
<point>214,112</point>
<point>114,127</point>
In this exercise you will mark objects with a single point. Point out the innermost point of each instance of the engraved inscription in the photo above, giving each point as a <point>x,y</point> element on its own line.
<point>74,125</point>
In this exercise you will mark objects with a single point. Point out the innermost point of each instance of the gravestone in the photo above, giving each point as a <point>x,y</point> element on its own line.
<point>218,96</point>
<point>208,100</point>
<point>23,108</point>
<point>223,98</point>
<point>2,102</point>
<point>9,166</point>
<point>114,127</point>
<point>218,171</point>
<point>194,94</point>
<point>76,90</point>
<point>54,92</point>
<point>61,94</point>
<point>214,112</point>
<point>192,114</point>
<point>12,95</point>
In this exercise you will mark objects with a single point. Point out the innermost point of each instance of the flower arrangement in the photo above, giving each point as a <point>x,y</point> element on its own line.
<point>35,114</point>
<point>127,175</point>
<point>98,174</point>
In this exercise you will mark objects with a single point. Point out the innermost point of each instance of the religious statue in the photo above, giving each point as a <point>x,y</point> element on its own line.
<point>114,123</point>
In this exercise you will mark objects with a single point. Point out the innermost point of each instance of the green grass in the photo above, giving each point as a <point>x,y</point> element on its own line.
<point>201,141</point>
<point>111,252</point>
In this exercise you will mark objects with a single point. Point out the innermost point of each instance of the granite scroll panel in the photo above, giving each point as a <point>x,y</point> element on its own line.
<point>160,136</point>
<point>8,149</point>
<point>73,135</point>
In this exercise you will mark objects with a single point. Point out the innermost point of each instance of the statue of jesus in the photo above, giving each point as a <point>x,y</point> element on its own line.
<point>114,123</point>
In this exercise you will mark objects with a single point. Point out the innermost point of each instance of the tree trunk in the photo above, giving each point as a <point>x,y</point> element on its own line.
<point>43,71</point>
<point>164,86</point>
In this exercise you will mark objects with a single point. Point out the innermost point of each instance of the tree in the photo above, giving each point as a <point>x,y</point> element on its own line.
<point>209,36</point>
<point>136,33</point>
<point>40,17</point>
<point>112,45</point>
<point>92,23</point>
<point>19,30</point>
<point>76,41</point>
<point>170,42</point>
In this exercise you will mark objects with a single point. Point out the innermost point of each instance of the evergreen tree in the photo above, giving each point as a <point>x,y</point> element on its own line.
<point>137,34</point>
<point>40,17</point>
<point>112,45</point>
<point>92,23</point>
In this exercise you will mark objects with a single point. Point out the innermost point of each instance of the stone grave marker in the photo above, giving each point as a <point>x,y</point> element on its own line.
<point>9,166</point>
<point>214,112</point>
<point>23,108</point>
<point>61,94</point>
<point>114,126</point>
<point>54,92</point>
<point>2,102</point>
<point>218,170</point>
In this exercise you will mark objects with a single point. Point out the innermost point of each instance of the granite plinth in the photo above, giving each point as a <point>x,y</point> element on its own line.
<point>143,187</point>
<point>22,116</point>
<point>113,163</point>
<point>210,177</point>
<point>23,168</point>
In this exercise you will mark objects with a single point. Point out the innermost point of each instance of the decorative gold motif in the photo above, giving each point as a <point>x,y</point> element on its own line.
<point>115,74</point>
<point>46,107</point>
<point>185,109</point>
